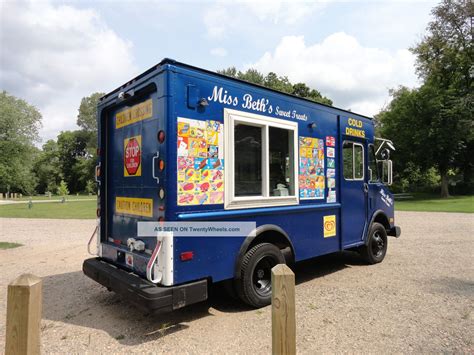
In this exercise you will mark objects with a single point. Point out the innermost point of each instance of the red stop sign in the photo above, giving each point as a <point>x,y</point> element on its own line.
<point>132,156</point>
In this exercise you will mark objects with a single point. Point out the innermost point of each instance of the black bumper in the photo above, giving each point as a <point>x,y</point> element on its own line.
<point>395,231</point>
<point>141,292</point>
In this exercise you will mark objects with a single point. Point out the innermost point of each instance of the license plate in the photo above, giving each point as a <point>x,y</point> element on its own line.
<point>129,259</point>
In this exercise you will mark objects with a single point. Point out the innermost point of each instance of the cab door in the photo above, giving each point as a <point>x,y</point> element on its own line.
<point>354,190</point>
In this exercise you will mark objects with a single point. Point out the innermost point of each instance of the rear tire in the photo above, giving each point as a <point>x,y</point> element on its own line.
<point>376,248</point>
<point>255,285</point>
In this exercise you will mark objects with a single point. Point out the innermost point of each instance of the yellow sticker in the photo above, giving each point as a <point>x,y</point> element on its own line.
<point>132,156</point>
<point>134,114</point>
<point>329,224</point>
<point>134,206</point>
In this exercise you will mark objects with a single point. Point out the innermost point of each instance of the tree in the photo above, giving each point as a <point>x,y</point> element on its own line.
<point>275,82</point>
<point>432,126</point>
<point>444,62</point>
<point>76,160</point>
<point>47,168</point>
<point>62,189</point>
<point>19,126</point>
<point>87,117</point>
<point>405,120</point>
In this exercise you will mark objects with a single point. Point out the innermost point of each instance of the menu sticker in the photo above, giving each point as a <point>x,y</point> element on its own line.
<point>200,162</point>
<point>311,177</point>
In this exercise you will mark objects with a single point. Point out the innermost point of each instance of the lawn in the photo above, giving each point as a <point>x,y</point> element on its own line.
<point>429,203</point>
<point>75,210</point>
<point>8,245</point>
<point>87,209</point>
<point>53,197</point>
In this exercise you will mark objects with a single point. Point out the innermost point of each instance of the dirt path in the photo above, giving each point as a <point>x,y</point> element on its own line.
<point>420,299</point>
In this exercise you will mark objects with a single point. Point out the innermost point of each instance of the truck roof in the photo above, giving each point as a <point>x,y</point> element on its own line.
<point>188,66</point>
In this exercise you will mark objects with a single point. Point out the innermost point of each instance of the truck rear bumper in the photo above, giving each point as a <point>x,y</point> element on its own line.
<point>141,292</point>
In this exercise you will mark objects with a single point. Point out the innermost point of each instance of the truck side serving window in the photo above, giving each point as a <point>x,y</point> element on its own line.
<point>373,164</point>
<point>260,160</point>
<point>353,160</point>
<point>248,160</point>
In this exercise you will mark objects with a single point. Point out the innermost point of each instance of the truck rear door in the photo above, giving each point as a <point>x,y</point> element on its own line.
<point>132,152</point>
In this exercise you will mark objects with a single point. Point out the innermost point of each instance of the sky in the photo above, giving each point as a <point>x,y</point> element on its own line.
<point>53,53</point>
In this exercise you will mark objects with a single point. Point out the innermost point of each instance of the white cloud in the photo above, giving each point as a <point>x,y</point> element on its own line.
<point>53,55</point>
<point>216,19</point>
<point>353,76</point>
<point>226,16</point>
<point>280,11</point>
<point>219,52</point>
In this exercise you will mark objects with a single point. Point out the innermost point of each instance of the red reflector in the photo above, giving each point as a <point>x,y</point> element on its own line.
<point>98,212</point>
<point>161,219</point>
<point>162,165</point>
<point>187,255</point>
<point>161,136</point>
<point>117,241</point>
<point>161,208</point>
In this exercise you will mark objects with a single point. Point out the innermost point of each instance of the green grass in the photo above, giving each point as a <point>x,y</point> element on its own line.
<point>53,197</point>
<point>75,210</point>
<point>430,203</point>
<point>8,245</point>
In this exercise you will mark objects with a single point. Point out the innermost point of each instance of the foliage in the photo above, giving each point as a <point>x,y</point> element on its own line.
<point>19,126</point>
<point>275,82</point>
<point>432,126</point>
<point>47,167</point>
<point>91,187</point>
<point>62,189</point>
<point>87,117</point>
<point>77,160</point>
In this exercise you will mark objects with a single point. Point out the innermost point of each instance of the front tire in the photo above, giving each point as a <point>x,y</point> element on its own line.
<point>255,284</point>
<point>376,248</point>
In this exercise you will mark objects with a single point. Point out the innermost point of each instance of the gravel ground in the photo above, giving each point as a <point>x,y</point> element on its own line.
<point>420,299</point>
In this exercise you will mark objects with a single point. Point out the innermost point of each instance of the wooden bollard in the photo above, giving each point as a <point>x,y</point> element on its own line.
<point>283,310</point>
<point>24,304</point>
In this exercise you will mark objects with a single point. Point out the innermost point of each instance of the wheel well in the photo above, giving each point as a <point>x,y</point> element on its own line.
<point>276,238</point>
<point>383,220</point>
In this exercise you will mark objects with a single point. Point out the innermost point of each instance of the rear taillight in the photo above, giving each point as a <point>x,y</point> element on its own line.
<point>161,165</point>
<point>187,255</point>
<point>161,136</point>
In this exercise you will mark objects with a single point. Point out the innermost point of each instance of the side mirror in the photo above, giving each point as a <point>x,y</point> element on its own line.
<point>385,154</point>
<point>385,167</point>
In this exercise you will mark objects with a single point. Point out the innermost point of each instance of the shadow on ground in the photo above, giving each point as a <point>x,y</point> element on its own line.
<point>72,298</point>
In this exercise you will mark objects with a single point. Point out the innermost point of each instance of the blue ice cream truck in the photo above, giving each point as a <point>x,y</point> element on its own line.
<point>183,145</point>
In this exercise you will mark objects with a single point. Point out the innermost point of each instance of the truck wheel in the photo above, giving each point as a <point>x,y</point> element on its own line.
<point>376,248</point>
<point>255,286</point>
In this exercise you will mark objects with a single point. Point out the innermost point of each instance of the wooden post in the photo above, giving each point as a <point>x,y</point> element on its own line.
<point>283,310</point>
<point>24,303</point>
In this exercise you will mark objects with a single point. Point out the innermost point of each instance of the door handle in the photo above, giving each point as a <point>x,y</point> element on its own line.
<point>153,167</point>
<point>366,187</point>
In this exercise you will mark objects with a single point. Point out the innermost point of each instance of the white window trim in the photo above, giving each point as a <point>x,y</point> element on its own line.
<point>232,202</point>
<point>353,161</point>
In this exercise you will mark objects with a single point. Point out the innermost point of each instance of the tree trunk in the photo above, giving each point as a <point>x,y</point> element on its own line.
<point>444,184</point>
